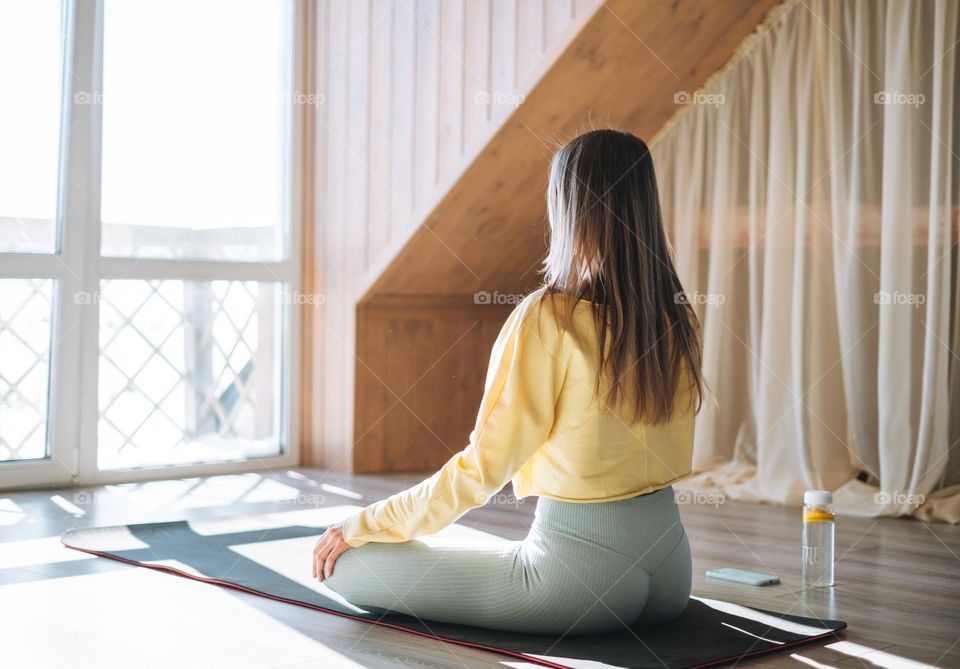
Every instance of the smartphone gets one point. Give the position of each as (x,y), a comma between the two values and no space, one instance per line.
(741,576)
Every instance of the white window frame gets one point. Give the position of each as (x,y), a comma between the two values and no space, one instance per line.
(73,409)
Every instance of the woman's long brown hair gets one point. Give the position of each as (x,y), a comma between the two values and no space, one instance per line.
(608,246)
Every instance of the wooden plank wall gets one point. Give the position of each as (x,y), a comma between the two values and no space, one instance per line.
(419,389)
(407,93)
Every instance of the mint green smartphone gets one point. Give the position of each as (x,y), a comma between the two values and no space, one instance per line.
(741,576)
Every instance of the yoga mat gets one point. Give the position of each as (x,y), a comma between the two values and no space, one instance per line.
(268,555)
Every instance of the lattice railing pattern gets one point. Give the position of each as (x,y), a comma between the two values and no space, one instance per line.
(184,375)
(26,308)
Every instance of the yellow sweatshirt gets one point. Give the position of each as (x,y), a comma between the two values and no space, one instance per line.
(540,425)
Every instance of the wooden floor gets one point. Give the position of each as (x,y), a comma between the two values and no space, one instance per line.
(898,583)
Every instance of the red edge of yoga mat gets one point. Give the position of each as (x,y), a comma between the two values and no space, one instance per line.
(492,649)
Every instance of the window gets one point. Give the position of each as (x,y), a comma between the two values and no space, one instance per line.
(25,325)
(31,66)
(194,137)
(147,237)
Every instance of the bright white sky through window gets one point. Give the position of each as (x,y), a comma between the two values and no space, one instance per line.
(195,95)
(30,55)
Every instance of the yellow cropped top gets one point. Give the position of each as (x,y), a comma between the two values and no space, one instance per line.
(540,425)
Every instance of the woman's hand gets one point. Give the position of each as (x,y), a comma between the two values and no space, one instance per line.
(330,547)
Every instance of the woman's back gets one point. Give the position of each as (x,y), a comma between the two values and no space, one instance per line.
(594,452)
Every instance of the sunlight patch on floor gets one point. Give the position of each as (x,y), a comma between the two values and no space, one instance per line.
(10,512)
(37,551)
(877,658)
(203,493)
(147,619)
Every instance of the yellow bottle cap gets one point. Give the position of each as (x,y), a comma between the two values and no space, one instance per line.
(817,515)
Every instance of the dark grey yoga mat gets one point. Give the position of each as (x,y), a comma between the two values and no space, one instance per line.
(265,555)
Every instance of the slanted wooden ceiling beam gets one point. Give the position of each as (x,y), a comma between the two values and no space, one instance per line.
(623,69)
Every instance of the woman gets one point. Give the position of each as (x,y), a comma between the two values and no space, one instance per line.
(599,433)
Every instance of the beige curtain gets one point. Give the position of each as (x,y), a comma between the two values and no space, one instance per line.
(811,193)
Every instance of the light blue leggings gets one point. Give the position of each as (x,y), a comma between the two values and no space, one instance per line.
(583,569)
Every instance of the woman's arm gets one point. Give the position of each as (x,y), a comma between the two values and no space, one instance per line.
(515,419)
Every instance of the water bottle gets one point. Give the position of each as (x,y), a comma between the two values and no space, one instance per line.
(817,539)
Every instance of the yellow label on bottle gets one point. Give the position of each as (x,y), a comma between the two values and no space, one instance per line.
(817,516)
